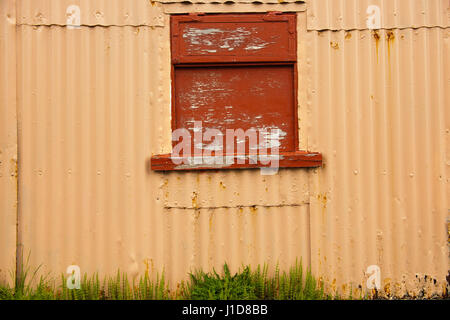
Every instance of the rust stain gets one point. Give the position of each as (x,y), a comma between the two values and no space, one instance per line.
(348,35)
(390,37)
(149,266)
(345,289)
(194,199)
(448,241)
(14,169)
(376,36)
(379,245)
(334,45)
(323,199)
(387,287)
(211,220)
(333,286)
(165,190)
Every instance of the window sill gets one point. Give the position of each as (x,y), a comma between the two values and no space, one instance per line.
(297,159)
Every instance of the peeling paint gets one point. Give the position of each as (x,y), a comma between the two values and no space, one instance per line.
(271,137)
(256,47)
(229,39)
(241,36)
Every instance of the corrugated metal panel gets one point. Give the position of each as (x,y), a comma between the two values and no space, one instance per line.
(137,12)
(228,2)
(207,238)
(186,7)
(379,112)
(352,14)
(225,189)
(8,140)
(92,13)
(91,105)
(95,105)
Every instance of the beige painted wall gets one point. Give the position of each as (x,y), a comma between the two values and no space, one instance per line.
(94,105)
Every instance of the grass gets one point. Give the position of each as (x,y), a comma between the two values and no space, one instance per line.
(254,285)
(246,284)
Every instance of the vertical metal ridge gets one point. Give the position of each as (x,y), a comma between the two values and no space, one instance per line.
(399,252)
(426,149)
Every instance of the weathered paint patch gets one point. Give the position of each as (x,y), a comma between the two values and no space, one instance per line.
(240,38)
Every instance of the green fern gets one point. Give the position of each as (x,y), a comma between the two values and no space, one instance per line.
(295,284)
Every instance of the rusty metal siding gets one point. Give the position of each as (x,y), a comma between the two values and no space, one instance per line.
(92,13)
(94,106)
(188,7)
(137,12)
(398,14)
(91,111)
(379,104)
(8,141)
(206,238)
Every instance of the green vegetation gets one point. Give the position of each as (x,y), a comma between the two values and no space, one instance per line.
(245,284)
(252,285)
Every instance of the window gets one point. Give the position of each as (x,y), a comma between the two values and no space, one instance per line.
(234,93)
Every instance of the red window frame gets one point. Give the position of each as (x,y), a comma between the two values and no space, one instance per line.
(282,55)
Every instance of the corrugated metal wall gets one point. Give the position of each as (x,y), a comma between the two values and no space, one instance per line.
(94,105)
(401,14)
(379,112)
(8,141)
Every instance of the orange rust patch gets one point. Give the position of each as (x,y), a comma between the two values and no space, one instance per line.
(334,45)
(14,170)
(323,199)
(194,199)
(376,36)
(390,37)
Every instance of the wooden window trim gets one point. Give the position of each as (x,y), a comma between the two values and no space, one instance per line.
(296,159)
